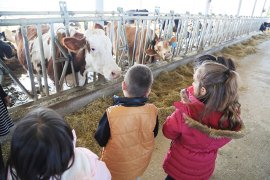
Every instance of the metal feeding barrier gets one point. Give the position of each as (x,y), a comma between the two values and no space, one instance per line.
(194,34)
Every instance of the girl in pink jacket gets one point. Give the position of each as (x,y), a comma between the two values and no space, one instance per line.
(43,147)
(203,123)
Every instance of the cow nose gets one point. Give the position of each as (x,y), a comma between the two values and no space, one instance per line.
(167,55)
(115,74)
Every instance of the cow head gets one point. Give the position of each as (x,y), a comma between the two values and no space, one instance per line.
(163,48)
(98,52)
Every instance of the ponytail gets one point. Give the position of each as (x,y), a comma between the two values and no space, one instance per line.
(221,86)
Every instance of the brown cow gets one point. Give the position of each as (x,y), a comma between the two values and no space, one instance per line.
(158,49)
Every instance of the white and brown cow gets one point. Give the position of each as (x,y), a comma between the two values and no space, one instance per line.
(157,49)
(91,52)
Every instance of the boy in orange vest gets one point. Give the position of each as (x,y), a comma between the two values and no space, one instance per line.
(127,129)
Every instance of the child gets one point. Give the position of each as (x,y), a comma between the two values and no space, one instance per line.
(5,124)
(127,129)
(5,120)
(43,147)
(209,58)
(199,127)
(228,62)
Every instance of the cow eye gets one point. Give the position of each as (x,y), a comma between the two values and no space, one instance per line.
(93,49)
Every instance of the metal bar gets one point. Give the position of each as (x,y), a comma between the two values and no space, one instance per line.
(53,50)
(28,60)
(30,13)
(141,44)
(42,58)
(135,42)
(13,77)
(63,8)
(65,54)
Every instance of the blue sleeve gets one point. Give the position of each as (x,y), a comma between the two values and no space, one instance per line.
(103,133)
(6,50)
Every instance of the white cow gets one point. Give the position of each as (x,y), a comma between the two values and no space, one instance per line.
(97,49)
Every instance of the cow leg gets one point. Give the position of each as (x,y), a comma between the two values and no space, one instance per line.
(40,85)
(82,79)
(101,78)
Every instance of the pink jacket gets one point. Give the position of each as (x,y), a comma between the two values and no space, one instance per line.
(194,146)
(86,166)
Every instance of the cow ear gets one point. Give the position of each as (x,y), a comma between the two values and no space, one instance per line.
(150,52)
(166,44)
(98,26)
(74,33)
(73,44)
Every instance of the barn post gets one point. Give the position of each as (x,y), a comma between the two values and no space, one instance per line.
(239,7)
(263,9)
(207,7)
(100,9)
(255,2)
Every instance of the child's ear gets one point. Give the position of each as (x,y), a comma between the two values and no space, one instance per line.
(148,92)
(203,91)
(124,86)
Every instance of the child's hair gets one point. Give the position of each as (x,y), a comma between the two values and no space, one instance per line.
(139,79)
(203,58)
(228,62)
(41,146)
(221,86)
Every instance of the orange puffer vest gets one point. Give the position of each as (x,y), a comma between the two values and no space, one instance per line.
(129,149)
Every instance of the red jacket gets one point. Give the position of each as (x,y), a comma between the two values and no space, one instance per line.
(194,145)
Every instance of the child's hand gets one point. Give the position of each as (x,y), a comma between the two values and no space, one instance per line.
(184,96)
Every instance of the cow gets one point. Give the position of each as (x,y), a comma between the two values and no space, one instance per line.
(6,50)
(8,35)
(90,52)
(264,26)
(156,49)
(7,44)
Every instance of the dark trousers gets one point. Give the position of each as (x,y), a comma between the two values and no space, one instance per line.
(169,178)
(2,167)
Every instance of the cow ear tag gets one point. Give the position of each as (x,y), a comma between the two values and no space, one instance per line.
(174,44)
